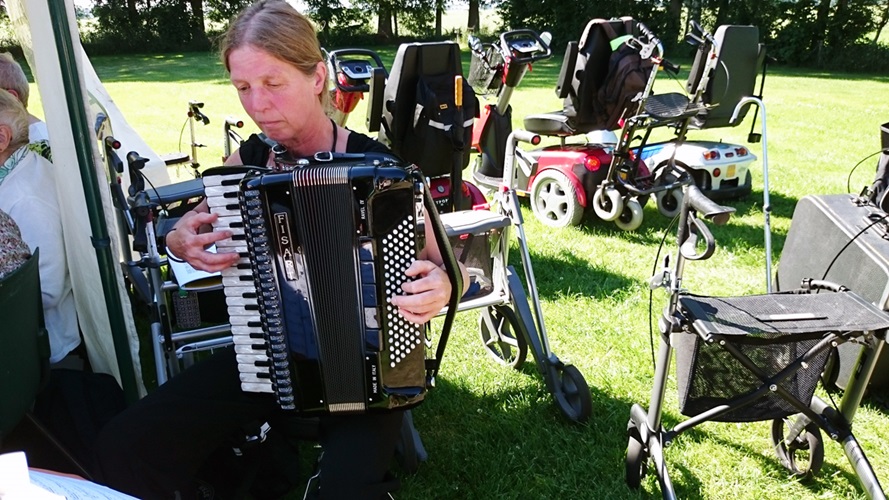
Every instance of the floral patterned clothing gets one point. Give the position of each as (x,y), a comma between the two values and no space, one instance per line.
(13,250)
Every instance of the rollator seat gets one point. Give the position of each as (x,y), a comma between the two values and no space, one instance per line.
(671,106)
(773,331)
(472,222)
(782,314)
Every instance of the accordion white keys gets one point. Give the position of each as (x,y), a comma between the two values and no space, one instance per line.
(323,248)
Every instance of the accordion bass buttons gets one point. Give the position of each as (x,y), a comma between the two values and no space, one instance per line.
(367,274)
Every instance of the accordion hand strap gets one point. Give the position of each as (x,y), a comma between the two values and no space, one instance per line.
(454,275)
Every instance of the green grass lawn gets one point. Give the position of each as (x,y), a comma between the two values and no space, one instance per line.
(493,432)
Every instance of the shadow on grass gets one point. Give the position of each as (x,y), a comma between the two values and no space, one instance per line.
(512,442)
(565,273)
(734,236)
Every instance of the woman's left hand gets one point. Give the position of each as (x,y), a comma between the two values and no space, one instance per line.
(427,295)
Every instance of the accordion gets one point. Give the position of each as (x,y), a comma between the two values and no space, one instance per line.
(323,247)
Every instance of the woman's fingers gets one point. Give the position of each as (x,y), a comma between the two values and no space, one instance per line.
(426,295)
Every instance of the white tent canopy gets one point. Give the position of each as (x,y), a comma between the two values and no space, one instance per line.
(68,85)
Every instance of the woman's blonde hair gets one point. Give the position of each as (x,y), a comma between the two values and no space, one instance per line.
(13,115)
(274,26)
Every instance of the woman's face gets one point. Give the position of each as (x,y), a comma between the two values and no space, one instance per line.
(276,95)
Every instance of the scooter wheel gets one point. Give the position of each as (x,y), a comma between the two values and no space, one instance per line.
(630,217)
(553,200)
(607,203)
(803,455)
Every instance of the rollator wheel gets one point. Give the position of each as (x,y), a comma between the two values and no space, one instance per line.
(573,394)
(607,203)
(630,217)
(499,327)
(669,202)
(554,201)
(637,457)
(804,455)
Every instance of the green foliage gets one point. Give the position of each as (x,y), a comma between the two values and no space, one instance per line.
(859,56)
(221,11)
(565,19)
(166,26)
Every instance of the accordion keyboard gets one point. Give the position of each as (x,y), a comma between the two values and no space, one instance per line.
(241,294)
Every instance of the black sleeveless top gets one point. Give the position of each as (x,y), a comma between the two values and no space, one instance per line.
(255,152)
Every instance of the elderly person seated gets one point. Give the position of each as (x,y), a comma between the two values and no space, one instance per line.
(13,79)
(28,195)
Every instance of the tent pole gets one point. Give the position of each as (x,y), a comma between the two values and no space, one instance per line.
(101,241)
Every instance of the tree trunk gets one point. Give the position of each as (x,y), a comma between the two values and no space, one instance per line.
(882,24)
(439,8)
(132,12)
(835,35)
(694,11)
(821,17)
(199,33)
(721,13)
(674,23)
(473,23)
(384,21)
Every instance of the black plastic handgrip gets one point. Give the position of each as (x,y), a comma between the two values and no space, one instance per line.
(669,67)
(706,207)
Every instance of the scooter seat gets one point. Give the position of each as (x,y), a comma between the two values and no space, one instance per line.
(555,123)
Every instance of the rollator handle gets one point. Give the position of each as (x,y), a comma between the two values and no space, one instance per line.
(525,136)
(706,207)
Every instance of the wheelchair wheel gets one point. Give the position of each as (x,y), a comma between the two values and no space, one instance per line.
(637,457)
(804,455)
(499,329)
(553,200)
(573,394)
(630,217)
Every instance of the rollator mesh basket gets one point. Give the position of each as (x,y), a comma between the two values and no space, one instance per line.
(773,331)
(480,234)
(486,72)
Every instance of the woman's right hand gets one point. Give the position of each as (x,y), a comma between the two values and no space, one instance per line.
(187,241)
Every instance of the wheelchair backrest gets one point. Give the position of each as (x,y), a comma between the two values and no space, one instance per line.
(421,119)
(739,58)
(585,68)
(24,345)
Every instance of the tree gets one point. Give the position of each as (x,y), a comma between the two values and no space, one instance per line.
(884,19)
(473,23)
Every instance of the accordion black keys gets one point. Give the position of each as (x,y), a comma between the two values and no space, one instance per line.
(323,247)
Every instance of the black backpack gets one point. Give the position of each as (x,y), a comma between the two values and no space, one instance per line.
(440,128)
(626,80)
